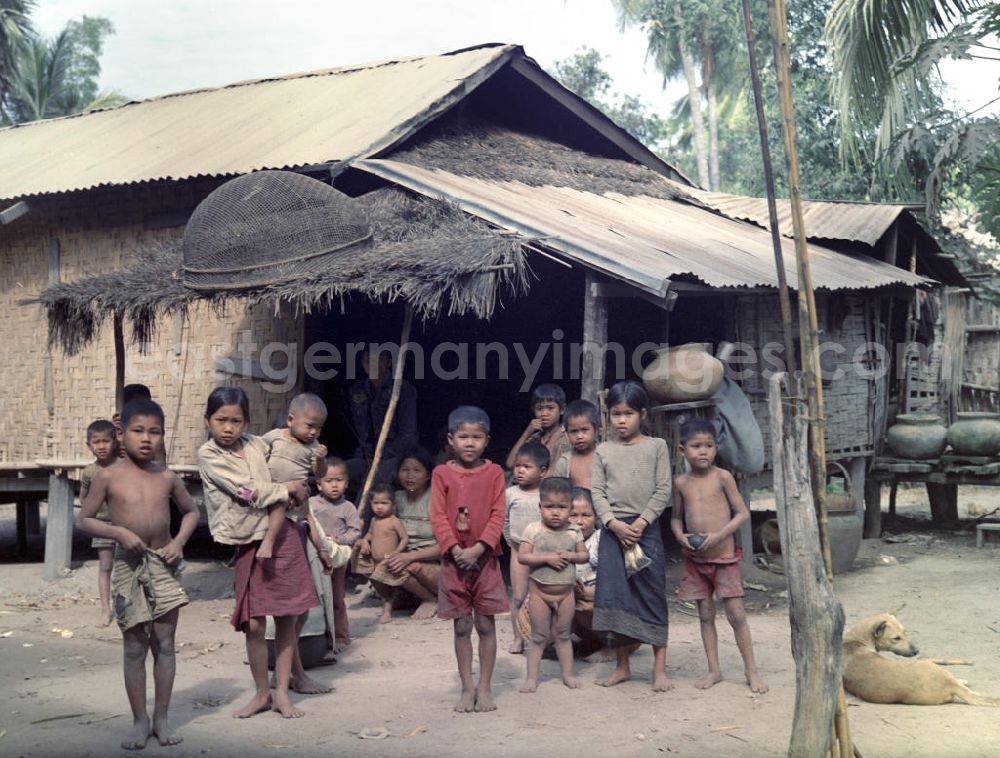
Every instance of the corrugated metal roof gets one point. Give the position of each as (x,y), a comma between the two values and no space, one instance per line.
(856,222)
(640,239)
(297,120)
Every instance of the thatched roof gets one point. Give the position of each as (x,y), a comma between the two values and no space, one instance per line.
(473,147)
(425,252)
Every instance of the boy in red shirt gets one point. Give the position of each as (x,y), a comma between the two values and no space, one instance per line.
(467,511)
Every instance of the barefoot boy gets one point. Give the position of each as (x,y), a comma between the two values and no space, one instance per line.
(547,404)
(385,536)
(340,521)
(708,509)
(550,548)
(581,421)
(102,443)
(530,465)
(467,510)
(147,593)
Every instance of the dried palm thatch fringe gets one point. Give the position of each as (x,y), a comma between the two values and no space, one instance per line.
(425,252)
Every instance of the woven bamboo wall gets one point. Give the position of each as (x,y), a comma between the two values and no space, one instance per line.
(179,366)
(981,375)
(849,400)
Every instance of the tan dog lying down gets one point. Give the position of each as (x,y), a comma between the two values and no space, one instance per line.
(882,680)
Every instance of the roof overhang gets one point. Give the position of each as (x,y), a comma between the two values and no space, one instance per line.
(641,240)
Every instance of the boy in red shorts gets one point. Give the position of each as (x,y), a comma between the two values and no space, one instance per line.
(708,509)
(467,511)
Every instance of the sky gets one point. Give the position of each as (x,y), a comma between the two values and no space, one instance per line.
(175,45)
(163,46)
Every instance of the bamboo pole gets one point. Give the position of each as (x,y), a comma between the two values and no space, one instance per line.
(809,340)
(390,411)
(772,207)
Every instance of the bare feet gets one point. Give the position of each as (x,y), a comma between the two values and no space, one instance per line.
(105,617)
(140,734)
(265,550)
(163,734)
(306,685)
(756,683)
(530,685)
(484,700)
(572,682)
(617,677)
(257,705)
(710,679)
(386,617)
(601,656)
(468,702)
(341,644)
(661,683)
(517,647)
(426,610)
(330,656)
(284,706)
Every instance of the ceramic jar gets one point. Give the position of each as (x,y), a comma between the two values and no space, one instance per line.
(917,436)
(975,433)
(682,374)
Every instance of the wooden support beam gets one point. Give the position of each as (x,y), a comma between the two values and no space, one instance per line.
(14,212)
(873,509)
(595,337)
(745,536)
(59,527)
(891,244)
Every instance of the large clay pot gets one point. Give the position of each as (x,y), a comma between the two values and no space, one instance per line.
(844,520)
(682,374)
(917,436)
(975,433)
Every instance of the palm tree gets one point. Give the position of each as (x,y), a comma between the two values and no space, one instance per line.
(15,28)
(58,76)
(873,89)
(684,36)
(667,44)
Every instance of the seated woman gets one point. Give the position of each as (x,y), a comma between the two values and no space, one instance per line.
(415,569)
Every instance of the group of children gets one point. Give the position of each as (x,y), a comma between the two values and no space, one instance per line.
(610,591)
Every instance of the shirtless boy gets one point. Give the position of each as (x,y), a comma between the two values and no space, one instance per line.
(708,509)
(102,442)
(385,536)
(146,592)
(582,420)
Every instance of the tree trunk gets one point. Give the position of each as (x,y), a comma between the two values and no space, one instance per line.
(694,101)
(707,69)
(817,619)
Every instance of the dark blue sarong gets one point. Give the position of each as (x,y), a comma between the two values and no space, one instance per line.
(631,609)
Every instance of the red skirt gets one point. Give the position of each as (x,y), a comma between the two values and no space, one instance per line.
(278,586)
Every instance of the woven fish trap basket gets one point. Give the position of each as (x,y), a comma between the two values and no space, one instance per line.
(269,227)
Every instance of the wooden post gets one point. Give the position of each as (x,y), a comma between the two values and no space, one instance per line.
(21,525)
(390,411)
(817,618)
(59,527)
(814,699)
(745,536)
(119,362)
(595,337)
(873,509)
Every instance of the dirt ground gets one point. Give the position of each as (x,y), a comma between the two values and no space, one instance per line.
(61,691)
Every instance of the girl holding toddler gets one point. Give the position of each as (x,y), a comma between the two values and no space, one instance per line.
(238,493)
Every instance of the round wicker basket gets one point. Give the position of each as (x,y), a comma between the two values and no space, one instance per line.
(269,227)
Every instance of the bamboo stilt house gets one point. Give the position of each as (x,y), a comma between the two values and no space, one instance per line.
(506,210)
